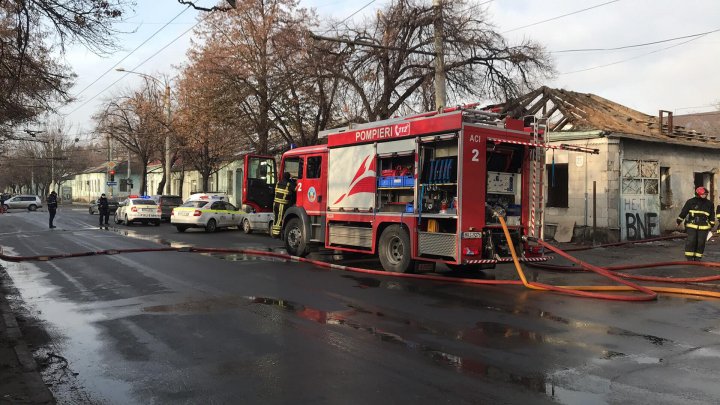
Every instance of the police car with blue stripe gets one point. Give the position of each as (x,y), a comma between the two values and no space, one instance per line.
(138,209)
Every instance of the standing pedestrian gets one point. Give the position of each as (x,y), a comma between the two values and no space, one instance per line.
(698,216)
(52,204)
(103,210)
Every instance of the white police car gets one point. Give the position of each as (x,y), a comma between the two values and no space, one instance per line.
(206,210)
(138,209)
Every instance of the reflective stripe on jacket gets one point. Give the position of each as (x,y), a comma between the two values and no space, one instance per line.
(698,213)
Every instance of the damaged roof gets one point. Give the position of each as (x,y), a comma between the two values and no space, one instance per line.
(570,111)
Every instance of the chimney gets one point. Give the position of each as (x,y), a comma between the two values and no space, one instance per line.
(669,122)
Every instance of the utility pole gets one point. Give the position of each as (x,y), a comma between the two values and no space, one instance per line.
(167,139)
(52,163)
(128,182)
(440,97)
(168,118)
(110,159)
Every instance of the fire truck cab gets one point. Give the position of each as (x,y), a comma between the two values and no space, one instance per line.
(421,189)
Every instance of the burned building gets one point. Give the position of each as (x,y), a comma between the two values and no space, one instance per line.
(645,168)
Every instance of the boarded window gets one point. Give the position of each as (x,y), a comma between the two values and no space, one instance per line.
(557,185)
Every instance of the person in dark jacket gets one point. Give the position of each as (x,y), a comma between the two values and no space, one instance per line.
(699,219)
(284,197)
(52,204)
(103,210)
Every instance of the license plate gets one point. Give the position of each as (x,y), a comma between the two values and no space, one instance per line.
(148,209)
(184,214)
(472,235)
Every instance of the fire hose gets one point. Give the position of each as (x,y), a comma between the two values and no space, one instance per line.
(647,293)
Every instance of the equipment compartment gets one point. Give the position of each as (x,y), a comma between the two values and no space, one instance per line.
(396,174)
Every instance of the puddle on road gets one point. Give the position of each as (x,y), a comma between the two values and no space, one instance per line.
(243,257)
(567,396)
(533,381)
(151,238)
(657,341)
(387,283)
(231,257)
(364,282)
(464,365)
(73,357)
(706,352)
(199,306)
(484,330)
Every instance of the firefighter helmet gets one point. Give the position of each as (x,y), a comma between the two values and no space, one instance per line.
(701,191)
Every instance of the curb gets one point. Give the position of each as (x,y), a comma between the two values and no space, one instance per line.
(40,393)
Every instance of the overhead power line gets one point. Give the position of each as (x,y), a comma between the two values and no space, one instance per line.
(561,16)
(634,57)
(136,67)
(369,44)
(350,16)
(638,45)
(133,51)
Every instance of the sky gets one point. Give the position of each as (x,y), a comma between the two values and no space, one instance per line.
(680,75)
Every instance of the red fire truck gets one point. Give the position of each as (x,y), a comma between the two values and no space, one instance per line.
(417,190)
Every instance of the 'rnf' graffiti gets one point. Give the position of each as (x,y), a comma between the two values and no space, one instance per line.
(637,229)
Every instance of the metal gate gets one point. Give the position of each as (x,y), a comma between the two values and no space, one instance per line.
(639,199)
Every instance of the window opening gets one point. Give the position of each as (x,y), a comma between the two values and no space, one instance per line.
(558,188)
(314,164)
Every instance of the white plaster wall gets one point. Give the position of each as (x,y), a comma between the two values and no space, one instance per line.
(583,170)
(604,168)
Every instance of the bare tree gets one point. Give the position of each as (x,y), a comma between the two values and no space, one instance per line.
(135,122)
(66,157)
(205,141)
(18,171)
(31,78)
(310,98)
(267,82)
(390,59)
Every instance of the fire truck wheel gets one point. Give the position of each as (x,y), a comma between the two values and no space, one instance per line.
(394,250)
(295,238)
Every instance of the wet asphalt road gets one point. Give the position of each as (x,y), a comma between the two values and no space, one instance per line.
(190,328)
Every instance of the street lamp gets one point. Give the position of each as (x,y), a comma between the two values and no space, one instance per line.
(168,117)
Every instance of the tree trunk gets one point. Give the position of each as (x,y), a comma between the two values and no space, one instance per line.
(143,184)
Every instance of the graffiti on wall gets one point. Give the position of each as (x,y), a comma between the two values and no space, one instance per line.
(640,207)
(641,219)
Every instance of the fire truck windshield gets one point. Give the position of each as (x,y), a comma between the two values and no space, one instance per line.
(262,169)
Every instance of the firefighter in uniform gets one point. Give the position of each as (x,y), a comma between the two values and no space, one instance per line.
(698,216)
(284,197)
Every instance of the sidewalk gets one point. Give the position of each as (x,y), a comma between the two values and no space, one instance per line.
(20,379)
